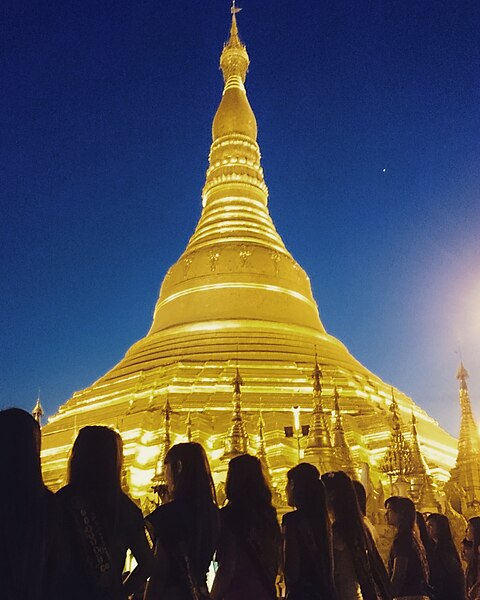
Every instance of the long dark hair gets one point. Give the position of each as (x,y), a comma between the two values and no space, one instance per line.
(344,505)
(251,516)
(309,497)
(444,542)
(193,484)
(96,459)
(349,523)
(424,537)
(407,527)
(27,525)
(94,470)
(20,452)
(472,567)
(404,508)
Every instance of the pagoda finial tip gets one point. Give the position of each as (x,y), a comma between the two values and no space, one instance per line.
(462,372)
(234,39)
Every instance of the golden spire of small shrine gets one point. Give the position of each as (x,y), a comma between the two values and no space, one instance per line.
(237,439)
(466,474)
(319,444)
(319,434)
(469,439)
(261,448)
(422,490)
(159,477)
(37,411)
(342,449)
(188,423)
(397,462)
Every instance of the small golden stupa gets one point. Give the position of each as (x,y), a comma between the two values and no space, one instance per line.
(237,306)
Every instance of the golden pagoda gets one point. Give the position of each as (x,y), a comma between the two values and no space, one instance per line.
(463,489)
(343,455)
(37,411)
(236,296)
(397,463)
(422,491)
(237,439)
(319,449)
(159,477)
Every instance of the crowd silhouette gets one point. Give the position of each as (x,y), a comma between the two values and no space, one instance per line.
(72,545)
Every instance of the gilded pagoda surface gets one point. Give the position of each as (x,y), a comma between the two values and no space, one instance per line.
(237,306)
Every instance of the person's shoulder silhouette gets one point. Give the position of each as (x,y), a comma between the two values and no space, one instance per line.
(28,518)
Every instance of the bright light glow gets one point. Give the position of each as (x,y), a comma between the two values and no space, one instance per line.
(141,478)
(146,454)
(296,418)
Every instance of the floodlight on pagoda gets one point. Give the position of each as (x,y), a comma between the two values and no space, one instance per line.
(298,431)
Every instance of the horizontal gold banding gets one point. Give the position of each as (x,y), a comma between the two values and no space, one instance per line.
(234,81)
(242,286)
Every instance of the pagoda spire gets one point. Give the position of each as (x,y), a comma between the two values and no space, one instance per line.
(468,441)
(236,265)
(37,411)
(422,490)
(166,444)
(342,449)
(237,439)
(397,462)
(188,423)
(319,444)
(261,449)
(466,473)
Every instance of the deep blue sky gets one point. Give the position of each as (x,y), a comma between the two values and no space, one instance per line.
(369,122)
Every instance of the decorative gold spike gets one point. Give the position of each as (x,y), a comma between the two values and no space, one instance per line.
(397,462)
(188,422)
(237,439)
(159,477)
(422,490)
(464,484)
(37,411)
(342,449)
(319,448)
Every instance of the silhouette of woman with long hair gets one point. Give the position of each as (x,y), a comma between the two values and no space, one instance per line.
(358,569)
(28,523)
(185,530)
(472,544)
(249,545)
(308,560)
(407,562)
(446,574)
(101,522)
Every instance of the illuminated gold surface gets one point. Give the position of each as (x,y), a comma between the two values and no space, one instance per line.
(236,296)
(464,487)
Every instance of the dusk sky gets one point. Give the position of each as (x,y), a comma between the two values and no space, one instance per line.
(369,121)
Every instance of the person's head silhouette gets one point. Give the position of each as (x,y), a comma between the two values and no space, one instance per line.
(96,461)
(20,453)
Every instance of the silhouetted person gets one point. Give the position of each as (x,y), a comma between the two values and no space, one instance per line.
(446,574)
(361,494)
(28,519)
(407,562)
(466,552)
(358,569)
(308,559)
(185,530)
(248,550)
(424,536)
(101,522)
(472,550)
